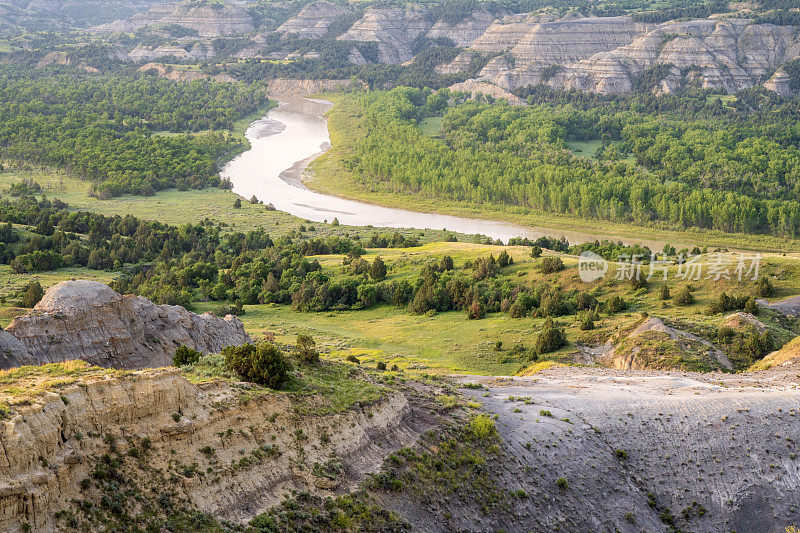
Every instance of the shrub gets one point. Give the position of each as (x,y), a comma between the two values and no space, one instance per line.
(503,260)
(727,303)
(663,292)
(536,252)
(380,366)
(32,295)
(262,363)
(684,296)
(550,339)
(764,288)
(353,359)
(482,427)
(185,356)
(378,269)
(305,349)
(237,204)
(615,304)
(476,310)
(562,483)
(549,265)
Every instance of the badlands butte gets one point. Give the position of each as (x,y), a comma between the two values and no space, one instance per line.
(500,51)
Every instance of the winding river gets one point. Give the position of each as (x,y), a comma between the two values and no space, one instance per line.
(292,135)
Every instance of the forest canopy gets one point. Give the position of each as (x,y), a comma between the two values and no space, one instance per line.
(724,170)
(104,128)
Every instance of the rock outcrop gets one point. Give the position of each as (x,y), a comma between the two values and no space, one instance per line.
(51,442)
(87,320)
(394,30)
(207,20)
(302,87)
(606,54)
(313,20)
(652,345)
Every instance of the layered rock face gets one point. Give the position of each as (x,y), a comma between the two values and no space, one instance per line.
(208,21)
(51,443)
(313,20)
(605,54)
(393,29)
(87,320)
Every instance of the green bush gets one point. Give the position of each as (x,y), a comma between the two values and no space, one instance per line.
(482,427)
(764,288)
(684,296)
(550,339)
(551,264)
(32,295)
(258,363)
(305,349)
(185,356)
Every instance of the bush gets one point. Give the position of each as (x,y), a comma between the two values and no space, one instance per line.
(550,339)
(380,366)
(663,292)
(378,270)
(185,356)
(305,349)
(684,297)
(353,359)
(32,295)
(503,260)
(482,427)
(615,304)
(476,310)
(549,265)
(262,363)
(727,303)
(536,252)
(562,483)
(764,288)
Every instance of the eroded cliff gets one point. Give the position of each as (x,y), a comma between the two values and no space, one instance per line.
(87,320)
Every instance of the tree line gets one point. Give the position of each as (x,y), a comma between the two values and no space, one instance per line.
(736,174)
(104,128)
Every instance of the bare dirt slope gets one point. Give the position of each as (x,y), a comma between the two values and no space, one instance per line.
(640,451)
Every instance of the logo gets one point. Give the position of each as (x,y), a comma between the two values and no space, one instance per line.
(591,267)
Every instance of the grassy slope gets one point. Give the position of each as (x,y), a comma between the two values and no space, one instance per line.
(449,342)
(331,177)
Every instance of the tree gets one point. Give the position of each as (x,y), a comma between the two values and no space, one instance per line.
(550,339)
(305,349)
(476,310)
(185,356)
(504,259)
(32,295)
(536,251)
(378,269)
(663,292)
(764,287)
(237,204)
(684,296)
(263,363)
(551,264)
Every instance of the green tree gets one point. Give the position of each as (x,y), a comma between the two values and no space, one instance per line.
(32,295)
(261,363)
(378,269)
(306,349)
(185,356)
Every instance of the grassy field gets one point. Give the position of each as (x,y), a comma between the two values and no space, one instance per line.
(431,126)
(181,207)
(450,342)
(585,148)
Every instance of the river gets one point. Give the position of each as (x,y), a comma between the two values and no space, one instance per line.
(292,135)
